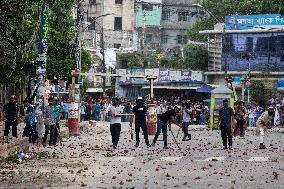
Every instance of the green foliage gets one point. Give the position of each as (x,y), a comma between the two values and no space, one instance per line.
(257,88)
(132,60)
(193,32)
(196,57)
(84,86)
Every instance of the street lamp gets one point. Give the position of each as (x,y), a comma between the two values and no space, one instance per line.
(223,35)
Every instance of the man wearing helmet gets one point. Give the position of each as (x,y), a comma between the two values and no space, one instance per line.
(11,113)
(262,124)
(163,119)
(140,111)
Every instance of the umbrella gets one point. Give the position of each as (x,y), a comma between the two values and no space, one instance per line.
(204,89)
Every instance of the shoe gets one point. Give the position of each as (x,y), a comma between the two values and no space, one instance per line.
(230,148)
(262,146)
(148,145)
(184,139)
(114,147)
(153,144)
(189,136)
(165,147)
(224,148)
(136,145)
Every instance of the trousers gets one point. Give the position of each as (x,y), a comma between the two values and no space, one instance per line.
(141,124)
(49,129)
(115,133)
(8,125)
(226,134)
(161,126)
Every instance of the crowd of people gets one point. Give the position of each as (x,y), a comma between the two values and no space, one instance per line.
(181,112)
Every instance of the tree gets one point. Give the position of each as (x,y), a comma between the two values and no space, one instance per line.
(195,57)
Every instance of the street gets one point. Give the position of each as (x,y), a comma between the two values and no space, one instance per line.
(88,161)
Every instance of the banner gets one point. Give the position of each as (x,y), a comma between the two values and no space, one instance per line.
(185,75)
(164,75)
(245,22)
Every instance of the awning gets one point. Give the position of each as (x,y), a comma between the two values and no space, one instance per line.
(204,89)
(94,90)
(172,87)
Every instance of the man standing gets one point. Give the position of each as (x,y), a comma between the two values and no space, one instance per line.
(115,112)
(30,121)
(50,122)
(240,115)
(262,124)
(140,111)
(225,123)
(186,121)
(163,119)
(57,115)
(11,113)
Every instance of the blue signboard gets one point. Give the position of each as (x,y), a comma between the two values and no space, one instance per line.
(245,22)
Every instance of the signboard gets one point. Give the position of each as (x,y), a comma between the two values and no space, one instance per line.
(164,75)
(245,22)
(185,75)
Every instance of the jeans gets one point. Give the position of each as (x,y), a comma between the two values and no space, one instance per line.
(226,134)
(161,126)
(115,133)
(32,133)
(143,126)
(240,125)
(185,128)
(251,122)
(49,129)
(8,125)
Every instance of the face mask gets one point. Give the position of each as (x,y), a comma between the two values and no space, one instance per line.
(226,105)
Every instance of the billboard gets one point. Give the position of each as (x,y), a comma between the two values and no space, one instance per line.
(257,51)
(164,75)
(245,22)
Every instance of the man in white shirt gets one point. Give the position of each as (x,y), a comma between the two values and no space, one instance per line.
(186,121)
(115,111)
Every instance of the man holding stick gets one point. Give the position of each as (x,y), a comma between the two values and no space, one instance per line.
(140,111)
(163,119)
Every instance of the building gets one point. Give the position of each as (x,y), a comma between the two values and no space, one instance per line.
(177,17)
(250,46)
(147,34)
(116,27)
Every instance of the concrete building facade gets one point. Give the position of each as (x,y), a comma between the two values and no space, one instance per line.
(117,27)
(177,17)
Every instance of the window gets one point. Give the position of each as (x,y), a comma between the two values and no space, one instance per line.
(165,39)
(92,2)
(92,25)
(183,16)
(147,7)
(148,38)
(181,39)
(117,23)
(166,14)
(118,1)
(117,45)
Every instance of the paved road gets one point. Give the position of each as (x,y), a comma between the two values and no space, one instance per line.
(87,161)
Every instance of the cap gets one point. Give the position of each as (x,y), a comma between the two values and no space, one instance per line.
(139,98)
(178,107)
(225,100)
(271,108)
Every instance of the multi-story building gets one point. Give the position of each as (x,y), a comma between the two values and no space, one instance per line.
(116,27)
(147,34)
(177,17)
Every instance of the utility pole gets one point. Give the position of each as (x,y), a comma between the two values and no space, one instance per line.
(41,59)
(74,108)
(143,32)
(103,61)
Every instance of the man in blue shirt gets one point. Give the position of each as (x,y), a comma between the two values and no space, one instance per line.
(225,123)
(30,121)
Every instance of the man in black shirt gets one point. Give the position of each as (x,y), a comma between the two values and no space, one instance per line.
(163,119)
(140,111)
(11,113)
(225,122)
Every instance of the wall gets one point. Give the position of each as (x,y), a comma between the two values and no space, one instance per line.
(152,17)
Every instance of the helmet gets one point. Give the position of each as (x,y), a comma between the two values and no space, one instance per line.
(12,97)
